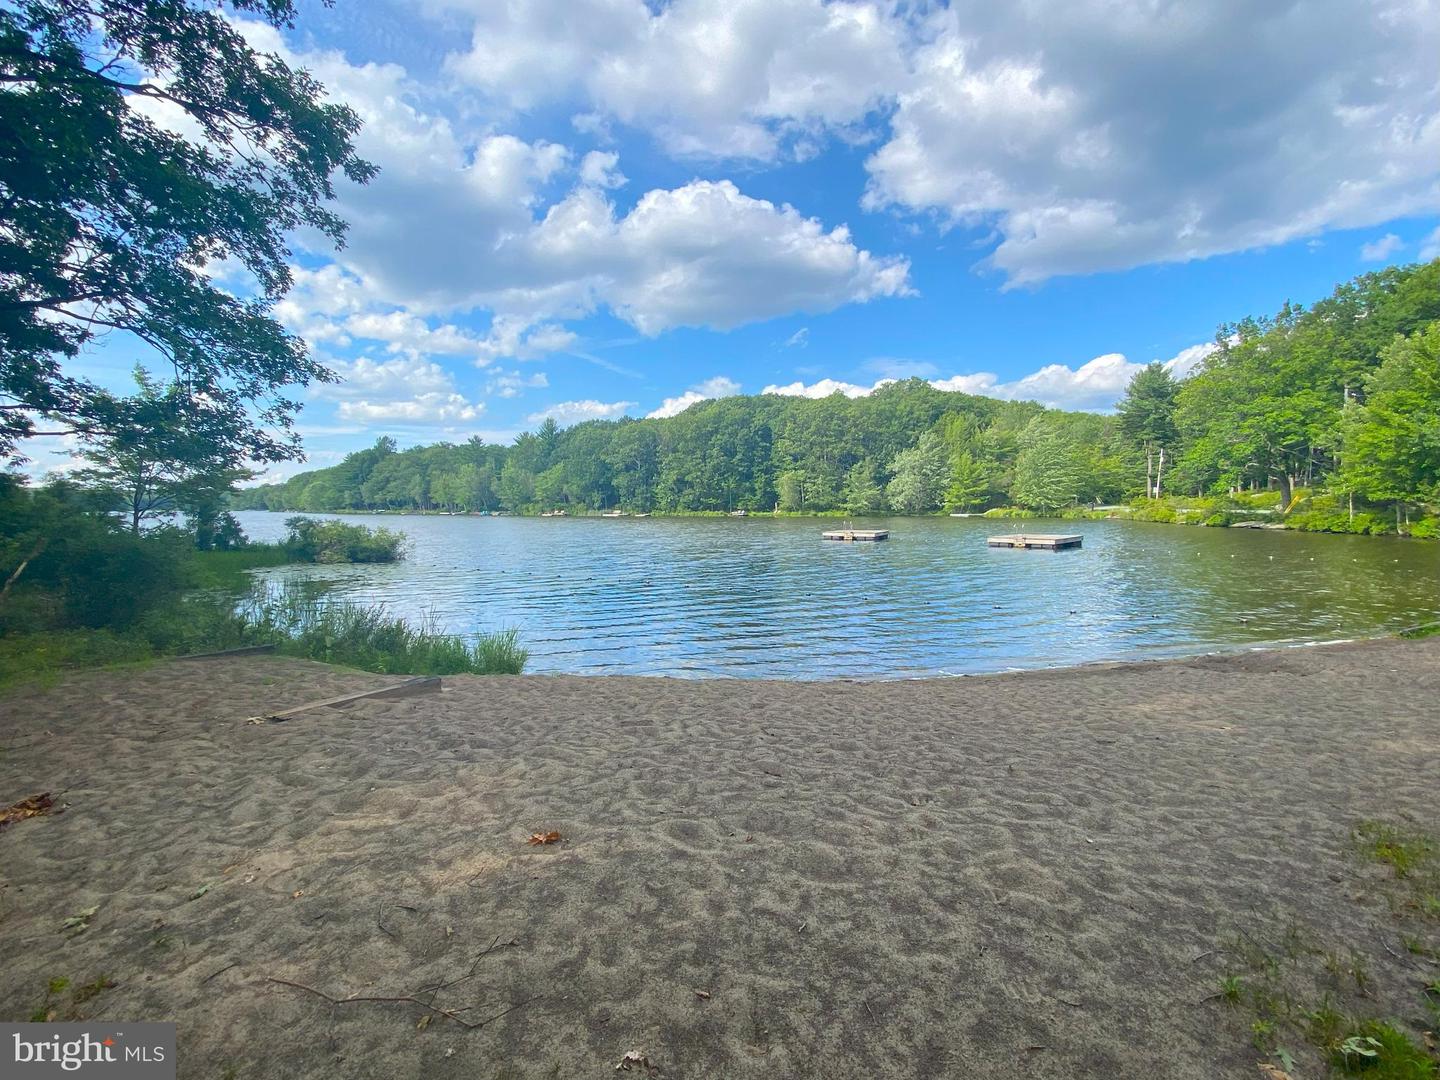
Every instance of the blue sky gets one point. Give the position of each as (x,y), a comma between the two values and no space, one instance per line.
(603,207)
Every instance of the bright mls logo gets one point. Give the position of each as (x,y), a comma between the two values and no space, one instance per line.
(120,1052)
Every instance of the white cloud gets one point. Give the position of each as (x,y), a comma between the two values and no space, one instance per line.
(401,390)
(717,387)
(566,413)
(598,168)
(513,384)
(799,339)
(1381,249)
(1095,136)
(1430,246)
(1095,386)
(424,409)
(741,78)
(824,388)
(461,221)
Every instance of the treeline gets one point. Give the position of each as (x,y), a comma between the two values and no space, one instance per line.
(1342,399)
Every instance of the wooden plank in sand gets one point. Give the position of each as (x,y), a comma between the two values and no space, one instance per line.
(850,535)
(246,650)
(408,688)
(1048,541)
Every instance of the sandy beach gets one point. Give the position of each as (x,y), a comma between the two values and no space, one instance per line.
(1033,875)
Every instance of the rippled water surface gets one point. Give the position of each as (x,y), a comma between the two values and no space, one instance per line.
(763,597)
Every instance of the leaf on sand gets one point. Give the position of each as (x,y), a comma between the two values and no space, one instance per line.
(636,1060)
(544,838)
(80,921)
(201,891)
(703,995)
(34,806)
(1273,1072)
(423,1022)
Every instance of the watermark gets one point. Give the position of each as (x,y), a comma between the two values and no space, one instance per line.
(95,1050)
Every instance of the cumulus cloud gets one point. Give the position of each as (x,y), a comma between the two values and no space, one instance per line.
(730,78)
(824,388)
(401,390)
(718,387)
(459,221)
(1095,386)
(422,409)
(509,384)
(1430,246)
(566,413)
(1381,249)
(1092,136)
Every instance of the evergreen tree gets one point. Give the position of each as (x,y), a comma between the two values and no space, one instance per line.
(969,482)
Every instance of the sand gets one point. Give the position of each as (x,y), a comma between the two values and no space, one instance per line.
(1012,876)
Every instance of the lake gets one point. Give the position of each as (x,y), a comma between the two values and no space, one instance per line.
(761,597)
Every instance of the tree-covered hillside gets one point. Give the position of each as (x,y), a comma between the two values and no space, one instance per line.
(1343,397)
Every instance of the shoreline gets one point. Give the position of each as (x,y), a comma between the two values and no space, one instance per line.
(1036,874)
(1261,522)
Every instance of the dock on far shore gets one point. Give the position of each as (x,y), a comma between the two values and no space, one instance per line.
(1048,541)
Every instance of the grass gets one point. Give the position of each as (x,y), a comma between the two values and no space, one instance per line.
(1406,852)
(368,637)
(297,620)
(1298,993)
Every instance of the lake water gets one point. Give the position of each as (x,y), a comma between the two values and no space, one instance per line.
(757,597)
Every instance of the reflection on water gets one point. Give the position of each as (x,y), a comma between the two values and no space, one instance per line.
(762,597)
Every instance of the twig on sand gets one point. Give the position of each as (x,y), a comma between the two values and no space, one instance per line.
(411,999)
(380,922)
(1197,959)
(222,971)
(474,966)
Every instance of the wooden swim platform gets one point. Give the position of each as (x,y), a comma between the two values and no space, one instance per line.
(1048,541)
(852,535)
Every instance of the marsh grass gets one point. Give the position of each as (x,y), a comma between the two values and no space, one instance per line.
(302,622)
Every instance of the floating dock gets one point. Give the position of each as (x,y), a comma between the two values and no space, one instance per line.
(852,535)
(1048,541)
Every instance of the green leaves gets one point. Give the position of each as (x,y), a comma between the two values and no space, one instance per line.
(108,219)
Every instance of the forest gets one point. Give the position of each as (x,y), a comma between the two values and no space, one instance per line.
(1331,411)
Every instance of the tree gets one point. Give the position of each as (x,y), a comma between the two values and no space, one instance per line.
(1392,441)
(108,220)
(969,482)
(920,476)
(1147,419)
(1045,471)
(159,457)
(863,493)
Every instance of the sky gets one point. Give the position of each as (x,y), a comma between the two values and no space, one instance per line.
(597,208)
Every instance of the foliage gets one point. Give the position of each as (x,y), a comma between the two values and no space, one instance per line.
(1147,420)
(1046,476)
(109,220)
(159,457)
(302,623)
(311,541)
(921,474)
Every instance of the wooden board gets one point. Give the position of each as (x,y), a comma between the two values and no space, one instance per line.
(850,535)
(247,650)
(425,685)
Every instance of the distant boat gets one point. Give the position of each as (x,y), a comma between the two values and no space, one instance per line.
(613,513)
(739,513)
